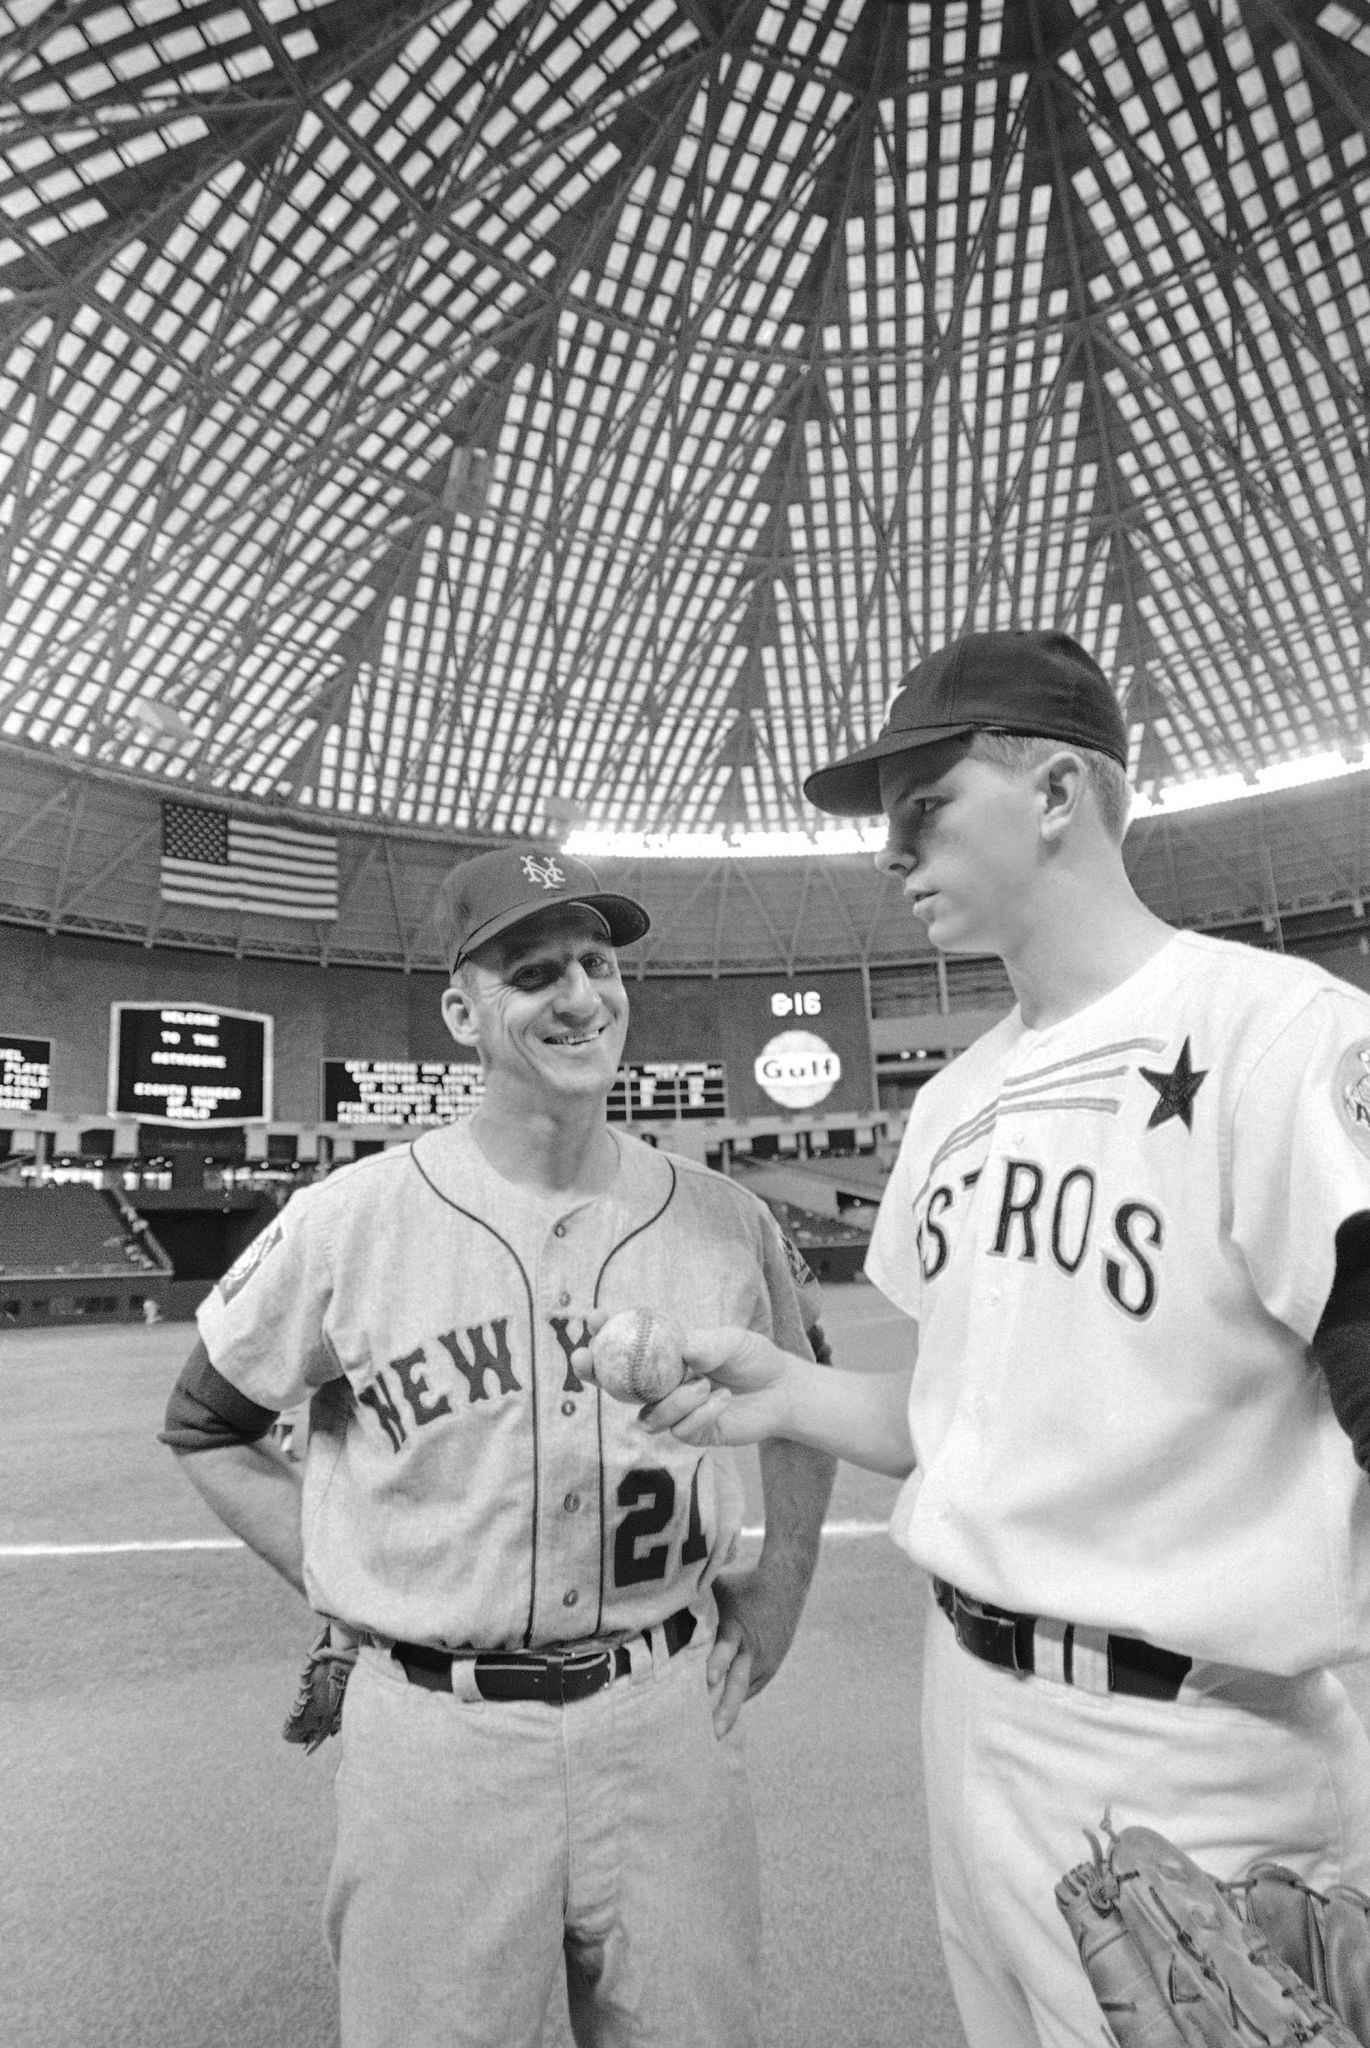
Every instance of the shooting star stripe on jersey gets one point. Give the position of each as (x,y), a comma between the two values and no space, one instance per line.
(981,1126)
(1104,1105)
(981,1121)
(1085,1059)
(1017,1094)
(751,1530)
(957,1141)
(1072,1079)
(1108,1105)
(960,1134)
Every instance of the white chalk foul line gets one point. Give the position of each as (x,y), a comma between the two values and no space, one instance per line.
(18,1550)
(834,1529)
(115,1549)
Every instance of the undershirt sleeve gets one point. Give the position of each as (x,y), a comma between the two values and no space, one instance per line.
(207,1413)
(822,1349)
(1341,1342)
(1299,1166)
(263,1323)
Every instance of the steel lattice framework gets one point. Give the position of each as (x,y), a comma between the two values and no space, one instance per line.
(421,412)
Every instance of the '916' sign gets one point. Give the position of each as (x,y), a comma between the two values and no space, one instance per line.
(801,1002)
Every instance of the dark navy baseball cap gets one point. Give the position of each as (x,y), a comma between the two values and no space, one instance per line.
(496,891)
(1039,684)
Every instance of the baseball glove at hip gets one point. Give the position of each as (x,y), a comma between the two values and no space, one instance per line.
(317,1710)
(1178,1960)
(1325,1936)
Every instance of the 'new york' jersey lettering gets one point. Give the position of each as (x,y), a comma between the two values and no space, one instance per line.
(486,1353)
(463,1485)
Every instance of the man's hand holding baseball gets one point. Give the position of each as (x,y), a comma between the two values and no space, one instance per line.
(735,1391)
(742,1389)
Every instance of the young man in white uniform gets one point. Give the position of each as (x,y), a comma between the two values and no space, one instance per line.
(1130,1228)
(541,1774)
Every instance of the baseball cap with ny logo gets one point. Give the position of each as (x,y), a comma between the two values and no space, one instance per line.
(491,894)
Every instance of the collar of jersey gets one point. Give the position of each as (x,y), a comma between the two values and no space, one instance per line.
(457,1167)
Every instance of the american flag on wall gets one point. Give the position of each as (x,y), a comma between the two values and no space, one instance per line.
(210,857)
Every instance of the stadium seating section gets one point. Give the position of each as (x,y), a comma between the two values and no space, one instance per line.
(76,1254)
(833,1245)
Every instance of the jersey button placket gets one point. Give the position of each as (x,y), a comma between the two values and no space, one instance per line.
(963,1447)
(570,1545)
(559,1231)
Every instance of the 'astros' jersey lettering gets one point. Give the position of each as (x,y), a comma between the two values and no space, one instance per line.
(1117,1236)
(462,1485)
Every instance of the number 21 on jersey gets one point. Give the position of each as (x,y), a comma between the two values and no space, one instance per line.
(647,1495)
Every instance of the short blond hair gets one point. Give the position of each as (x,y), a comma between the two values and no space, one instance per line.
(1017,752)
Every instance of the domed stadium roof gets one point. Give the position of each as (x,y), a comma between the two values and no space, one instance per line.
(423,412)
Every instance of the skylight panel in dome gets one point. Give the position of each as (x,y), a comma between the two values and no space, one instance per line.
(777,354)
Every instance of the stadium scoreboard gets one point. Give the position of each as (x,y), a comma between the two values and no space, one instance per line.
(791,1045)
(179,1063)
(25,1073)
(400,1091)
(668,1091)
(403,1092)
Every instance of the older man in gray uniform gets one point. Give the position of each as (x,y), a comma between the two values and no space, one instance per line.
(540,1762)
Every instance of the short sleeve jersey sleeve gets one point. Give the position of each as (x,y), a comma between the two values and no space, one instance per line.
(795,1297)
(893,1261)
(263,1322)
(1300,1153)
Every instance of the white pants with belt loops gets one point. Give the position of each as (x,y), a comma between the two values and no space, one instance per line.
(1018,1769)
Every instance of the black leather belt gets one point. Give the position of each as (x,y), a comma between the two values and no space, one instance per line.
(998,1636)
(556,1677)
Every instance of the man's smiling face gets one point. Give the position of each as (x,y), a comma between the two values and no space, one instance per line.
(544,1005)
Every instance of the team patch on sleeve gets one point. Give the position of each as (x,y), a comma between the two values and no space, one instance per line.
(799,1265)
(243,1267)
(1351,1094)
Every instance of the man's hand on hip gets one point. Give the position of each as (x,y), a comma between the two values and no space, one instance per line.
(758,1613)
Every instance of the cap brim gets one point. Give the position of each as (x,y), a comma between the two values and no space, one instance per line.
(850,788)
(624,920)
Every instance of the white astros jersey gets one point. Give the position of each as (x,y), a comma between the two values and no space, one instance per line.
(1117,1236)
(462,1486)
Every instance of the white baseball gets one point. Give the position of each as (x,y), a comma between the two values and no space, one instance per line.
(637,1355)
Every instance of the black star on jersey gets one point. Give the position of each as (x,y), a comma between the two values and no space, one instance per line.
(1175,1091)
